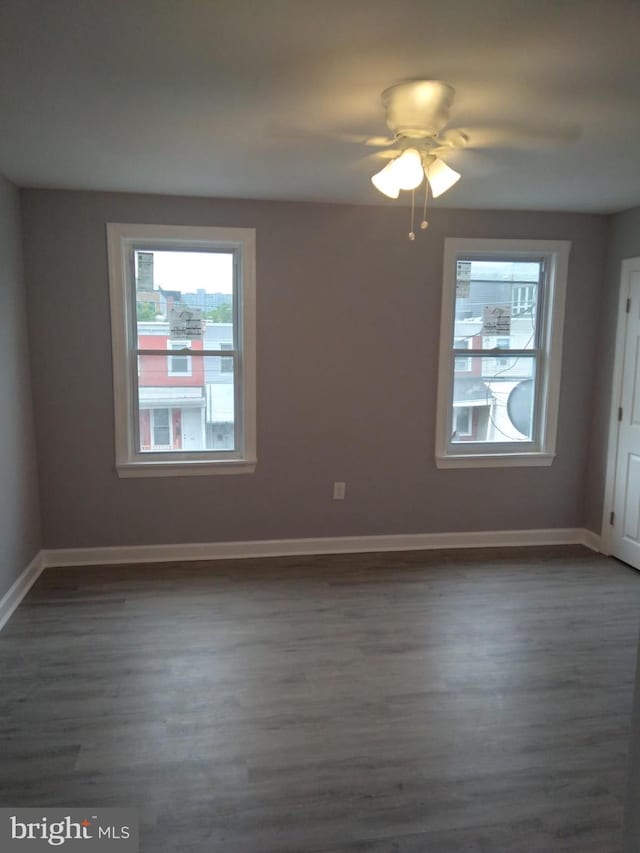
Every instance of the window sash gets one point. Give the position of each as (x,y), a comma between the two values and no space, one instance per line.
(545,352)
(542,285)
(238,420)
(534,353)
(491,447)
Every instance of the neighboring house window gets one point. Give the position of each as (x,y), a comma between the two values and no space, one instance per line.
(463,421)
(522,299)
(500,410)
(226,364)
(463,343)
(161,427)
(179,365)
(502,343)
(178,288)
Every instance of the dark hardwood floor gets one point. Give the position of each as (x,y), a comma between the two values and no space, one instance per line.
(416,702)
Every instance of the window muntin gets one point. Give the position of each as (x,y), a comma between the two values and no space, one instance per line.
(503,297)
(188,290)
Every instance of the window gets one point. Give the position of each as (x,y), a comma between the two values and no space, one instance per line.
(463,343)
(506,296)
(161,427)
(463,421)
(226,364)
(502,343)
(522,299)
(189,290)
(178,365)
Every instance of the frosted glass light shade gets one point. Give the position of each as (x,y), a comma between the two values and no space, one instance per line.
(385,181)
(407,169)
(441,177)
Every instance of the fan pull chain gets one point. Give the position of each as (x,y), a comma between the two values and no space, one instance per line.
(424,224)
(412,235)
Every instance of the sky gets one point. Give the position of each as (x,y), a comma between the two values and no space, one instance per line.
(189,271)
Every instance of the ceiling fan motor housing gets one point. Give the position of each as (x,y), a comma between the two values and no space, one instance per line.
(418,109)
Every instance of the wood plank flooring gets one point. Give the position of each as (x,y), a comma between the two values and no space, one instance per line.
(420,702)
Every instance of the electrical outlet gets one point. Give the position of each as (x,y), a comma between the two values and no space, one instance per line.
(339,490)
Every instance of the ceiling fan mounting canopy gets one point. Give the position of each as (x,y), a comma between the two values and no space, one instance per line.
(418,109)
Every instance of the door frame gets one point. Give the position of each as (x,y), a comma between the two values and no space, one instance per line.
(628,266)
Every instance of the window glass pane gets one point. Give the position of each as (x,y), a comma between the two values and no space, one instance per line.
(220,404)
(496,304)
(183,295)
(183,413)
(493,399)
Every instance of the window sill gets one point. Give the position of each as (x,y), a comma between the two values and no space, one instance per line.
(495,460)
(185,469)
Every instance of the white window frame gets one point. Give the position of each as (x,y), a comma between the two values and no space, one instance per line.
(542,450)
(123,240)
(171,346)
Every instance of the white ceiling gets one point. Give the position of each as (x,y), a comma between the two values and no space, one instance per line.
(257,98)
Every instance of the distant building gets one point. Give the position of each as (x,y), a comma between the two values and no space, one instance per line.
(185,403)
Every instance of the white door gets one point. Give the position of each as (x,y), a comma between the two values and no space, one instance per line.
(192,438)
(625,521)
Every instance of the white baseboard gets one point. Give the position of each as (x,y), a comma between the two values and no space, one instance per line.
(592,540)
(20,587)
(334,545)
(284,548)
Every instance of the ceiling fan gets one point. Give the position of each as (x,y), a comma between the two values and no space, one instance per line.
(417,113)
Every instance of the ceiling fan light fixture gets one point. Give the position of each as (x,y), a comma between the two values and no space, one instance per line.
(441,177)
(407,169)
(385,181)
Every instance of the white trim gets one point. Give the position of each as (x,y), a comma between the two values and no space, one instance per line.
(495,460)
(121,237)
(57,557)
(187,468)
(557,254)
(629,266)
(20,587)
(330,545)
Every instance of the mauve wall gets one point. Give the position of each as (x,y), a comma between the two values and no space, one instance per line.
(348,327)
(19,513)
(623,242)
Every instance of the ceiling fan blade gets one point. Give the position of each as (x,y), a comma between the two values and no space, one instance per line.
(380,141)
(376,157)
(361,139)
(472,163)
(510,136)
